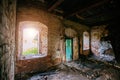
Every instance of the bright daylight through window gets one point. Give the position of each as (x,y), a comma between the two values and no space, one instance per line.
(30,41)
(33,40)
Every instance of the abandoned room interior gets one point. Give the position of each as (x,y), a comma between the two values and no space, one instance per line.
(59,40)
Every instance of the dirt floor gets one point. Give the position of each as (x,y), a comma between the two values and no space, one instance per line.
(76,70)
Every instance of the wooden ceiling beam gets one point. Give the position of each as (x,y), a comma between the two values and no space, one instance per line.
(56,4)
(80,17)
(87,8)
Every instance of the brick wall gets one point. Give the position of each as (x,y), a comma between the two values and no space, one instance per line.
(31,11)
(7,38)
(26,12)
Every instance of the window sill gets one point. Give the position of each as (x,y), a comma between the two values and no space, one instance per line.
(32,56)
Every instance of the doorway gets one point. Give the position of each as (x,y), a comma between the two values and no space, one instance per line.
(69,49)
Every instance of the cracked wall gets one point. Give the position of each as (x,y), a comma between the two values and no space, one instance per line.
(7,38)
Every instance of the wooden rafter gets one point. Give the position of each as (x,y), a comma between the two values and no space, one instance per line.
(80,17)
(88,7)
(57,3)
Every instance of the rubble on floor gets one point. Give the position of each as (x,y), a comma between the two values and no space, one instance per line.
(78,70)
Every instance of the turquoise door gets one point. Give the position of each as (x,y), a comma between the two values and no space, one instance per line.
(68,49)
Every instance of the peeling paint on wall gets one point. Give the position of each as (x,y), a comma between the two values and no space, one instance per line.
(100,44)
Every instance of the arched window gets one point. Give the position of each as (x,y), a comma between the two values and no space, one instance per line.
(33,40)
(86,45)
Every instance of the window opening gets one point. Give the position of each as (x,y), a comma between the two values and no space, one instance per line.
(30,41)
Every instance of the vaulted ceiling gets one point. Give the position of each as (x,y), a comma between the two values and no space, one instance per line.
(88,12)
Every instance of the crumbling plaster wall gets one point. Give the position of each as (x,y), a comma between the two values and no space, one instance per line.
(96,33)
(7,38)
(100,43)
